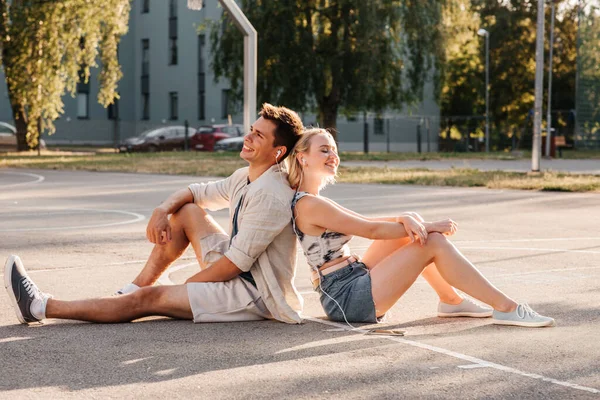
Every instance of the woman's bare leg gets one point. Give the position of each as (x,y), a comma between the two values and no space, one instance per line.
(188,225)
(404,265)
(168,301)
(380,249)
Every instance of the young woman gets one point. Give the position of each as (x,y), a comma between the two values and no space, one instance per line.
(363,289)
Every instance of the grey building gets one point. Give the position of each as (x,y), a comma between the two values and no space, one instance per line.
(167,79)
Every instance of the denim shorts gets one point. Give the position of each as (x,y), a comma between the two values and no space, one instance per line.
(351,288)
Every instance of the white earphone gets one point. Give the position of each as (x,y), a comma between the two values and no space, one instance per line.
(278,154)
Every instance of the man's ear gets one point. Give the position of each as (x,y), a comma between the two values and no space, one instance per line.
(283,150)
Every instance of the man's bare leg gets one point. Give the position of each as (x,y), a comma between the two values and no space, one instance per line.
(188,225)
(168,301)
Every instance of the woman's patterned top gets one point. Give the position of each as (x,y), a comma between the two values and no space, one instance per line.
(320,249)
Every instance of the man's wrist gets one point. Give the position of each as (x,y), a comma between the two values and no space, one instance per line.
(161,210)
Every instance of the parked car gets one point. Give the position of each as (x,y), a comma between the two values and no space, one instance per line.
(230,144)
(206,136)
(165,138)
(8,137)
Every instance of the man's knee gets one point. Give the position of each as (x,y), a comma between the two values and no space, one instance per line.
(146,297)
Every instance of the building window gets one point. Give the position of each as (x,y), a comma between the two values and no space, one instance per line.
(83,96)
(145,6)
(145,78)
(378,126)
(172,8)
(145,57)
(173,105)
(201,78)
(225,103)
(146,106)
(173,51)
(83,105)
(113,110)
(173,32)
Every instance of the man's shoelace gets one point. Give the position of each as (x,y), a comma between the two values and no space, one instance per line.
(30,287)
(523,311)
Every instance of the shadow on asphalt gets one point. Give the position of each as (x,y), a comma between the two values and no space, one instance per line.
(82,355)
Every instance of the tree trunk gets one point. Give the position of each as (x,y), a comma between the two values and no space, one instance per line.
(328,113)
(21,125)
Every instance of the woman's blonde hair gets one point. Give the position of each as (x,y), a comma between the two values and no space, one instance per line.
(295,168)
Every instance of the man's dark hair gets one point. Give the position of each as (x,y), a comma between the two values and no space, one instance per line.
(288,126)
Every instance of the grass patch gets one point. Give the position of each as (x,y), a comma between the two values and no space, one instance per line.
(380,156)
(223,164)
(192,163)
(546,181)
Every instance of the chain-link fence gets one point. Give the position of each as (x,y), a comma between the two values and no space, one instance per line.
(588,78)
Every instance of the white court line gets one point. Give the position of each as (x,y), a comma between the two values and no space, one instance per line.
(39,178)
(534,249)
(176,267)
(526,240)
(473,360)
(137,218)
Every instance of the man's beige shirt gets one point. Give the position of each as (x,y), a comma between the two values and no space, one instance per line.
(265,243)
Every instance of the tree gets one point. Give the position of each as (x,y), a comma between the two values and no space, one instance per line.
(512,28)
(332,55)
(48,47)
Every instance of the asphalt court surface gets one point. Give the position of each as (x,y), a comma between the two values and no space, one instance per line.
(82,234)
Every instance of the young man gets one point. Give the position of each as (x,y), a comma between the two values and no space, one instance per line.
(245,276)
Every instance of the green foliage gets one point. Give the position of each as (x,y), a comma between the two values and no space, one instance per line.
(512,28)
(45,45)
(348,55)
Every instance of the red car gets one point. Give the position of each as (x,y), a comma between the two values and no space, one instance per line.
(206,136)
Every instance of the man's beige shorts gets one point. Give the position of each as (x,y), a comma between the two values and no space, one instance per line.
(234,300)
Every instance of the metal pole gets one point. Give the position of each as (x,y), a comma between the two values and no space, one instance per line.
(387,123)
(186,143)
(549,115)
(578,68)
(365,133)
(428,126)
(487,92)
(250,55)
(539,88)
(419,137)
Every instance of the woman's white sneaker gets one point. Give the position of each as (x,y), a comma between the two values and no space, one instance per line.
(466,308)
(522,316)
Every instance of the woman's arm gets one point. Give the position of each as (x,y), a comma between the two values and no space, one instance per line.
(381,219)
(322,213)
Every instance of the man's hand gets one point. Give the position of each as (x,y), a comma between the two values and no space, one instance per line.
(158,230)
(445,226)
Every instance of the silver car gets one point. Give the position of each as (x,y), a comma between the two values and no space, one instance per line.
(230,144)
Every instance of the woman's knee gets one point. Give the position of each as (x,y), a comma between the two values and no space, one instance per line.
(436,240)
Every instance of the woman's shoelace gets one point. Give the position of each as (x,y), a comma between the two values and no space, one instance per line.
(524,310)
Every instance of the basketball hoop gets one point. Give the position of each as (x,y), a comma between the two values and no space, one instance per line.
(195,4)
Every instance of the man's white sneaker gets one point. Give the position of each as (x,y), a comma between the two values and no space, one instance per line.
(29,301)
(522,316)
(129,288)
(466,308)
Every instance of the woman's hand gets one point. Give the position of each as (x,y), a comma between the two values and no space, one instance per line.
(415,229)
(445,226)
(413,214)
